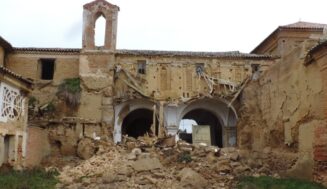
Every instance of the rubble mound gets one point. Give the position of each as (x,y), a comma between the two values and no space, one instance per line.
(148,163)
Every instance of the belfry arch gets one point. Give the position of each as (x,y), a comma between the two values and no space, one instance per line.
(92,11)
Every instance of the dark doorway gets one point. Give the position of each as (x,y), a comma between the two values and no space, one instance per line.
(7,147)
(205,117)
(138,123)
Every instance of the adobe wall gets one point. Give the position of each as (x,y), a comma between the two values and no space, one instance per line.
(27,65)
(285,110)
(2,56)
(38,146)
(320,131)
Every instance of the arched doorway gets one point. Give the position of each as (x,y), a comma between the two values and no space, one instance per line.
(138,123)
(205,117)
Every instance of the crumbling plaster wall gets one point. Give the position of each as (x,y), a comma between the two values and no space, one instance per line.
(320,130)
(174,81)
(283,109)
(96,73)
(169,78)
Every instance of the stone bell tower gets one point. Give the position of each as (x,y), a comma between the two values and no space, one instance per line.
(92,11)
(96,64)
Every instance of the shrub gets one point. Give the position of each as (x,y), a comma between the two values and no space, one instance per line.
(70,91)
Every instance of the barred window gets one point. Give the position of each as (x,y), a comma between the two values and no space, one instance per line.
(11,103)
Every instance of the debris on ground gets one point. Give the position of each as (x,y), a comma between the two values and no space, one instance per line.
(160,163)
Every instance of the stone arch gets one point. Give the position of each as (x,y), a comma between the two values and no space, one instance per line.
(125,109)
(226,119)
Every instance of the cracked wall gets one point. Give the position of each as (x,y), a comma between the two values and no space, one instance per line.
(284,108)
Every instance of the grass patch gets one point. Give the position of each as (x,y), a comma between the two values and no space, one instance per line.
(28,179)
(266,182)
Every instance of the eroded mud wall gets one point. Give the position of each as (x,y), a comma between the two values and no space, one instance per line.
(284,110)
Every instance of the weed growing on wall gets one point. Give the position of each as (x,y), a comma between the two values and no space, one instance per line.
(70,91)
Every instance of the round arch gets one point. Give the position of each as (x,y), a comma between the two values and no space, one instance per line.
(221,118)
(128,113)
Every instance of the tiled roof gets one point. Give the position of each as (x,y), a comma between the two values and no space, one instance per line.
(319,46)
(297,26)
(16,76)
(48,50)
(5,44)
(304,25)
(231,54)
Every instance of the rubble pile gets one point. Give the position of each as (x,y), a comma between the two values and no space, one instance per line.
(152,163)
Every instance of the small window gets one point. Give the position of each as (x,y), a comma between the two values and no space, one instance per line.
(47,68)
(199,68)
(255,67)
(141,66)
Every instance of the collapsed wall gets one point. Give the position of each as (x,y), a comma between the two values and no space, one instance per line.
(285,110)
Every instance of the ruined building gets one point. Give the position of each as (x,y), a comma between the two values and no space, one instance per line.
(13,112)
(274,96)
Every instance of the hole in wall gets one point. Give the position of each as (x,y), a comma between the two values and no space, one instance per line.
(138,123)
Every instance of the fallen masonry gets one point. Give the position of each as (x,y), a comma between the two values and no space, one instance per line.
(161,166)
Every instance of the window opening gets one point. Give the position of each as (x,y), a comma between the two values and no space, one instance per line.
(199,68)
(47,69)
(141,66)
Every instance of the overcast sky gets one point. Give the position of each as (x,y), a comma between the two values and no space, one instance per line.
(189,25)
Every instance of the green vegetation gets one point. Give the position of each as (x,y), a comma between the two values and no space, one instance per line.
(266,182)
(184,157)
(70,91)
(50,108)
(28,179)
(32,101)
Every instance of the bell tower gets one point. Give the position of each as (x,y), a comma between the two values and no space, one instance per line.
(92,11)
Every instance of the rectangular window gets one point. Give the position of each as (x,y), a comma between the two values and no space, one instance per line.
(199,68)
(141,66)
(47,68)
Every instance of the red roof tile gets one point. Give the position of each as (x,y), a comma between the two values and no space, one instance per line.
(16,76)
